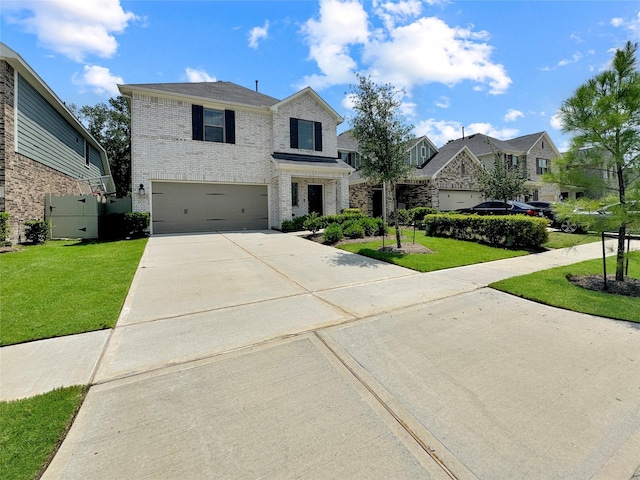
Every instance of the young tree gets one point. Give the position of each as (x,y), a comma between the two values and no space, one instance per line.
(502,183)
(604,116)
(110,124)
(381,132)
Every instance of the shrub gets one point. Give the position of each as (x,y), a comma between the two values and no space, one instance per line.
(512,231)
(404,217)
(298,222)
(287,226)
(122,225)
(313,222)
(351,211)
(36,231)
(5,228)
(136,223)
(333,233)
(353,229)
(370,226)
(418,213)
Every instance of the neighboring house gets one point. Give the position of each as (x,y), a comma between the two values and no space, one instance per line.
(217,156)
(43,147)
(369,198)
(448,179)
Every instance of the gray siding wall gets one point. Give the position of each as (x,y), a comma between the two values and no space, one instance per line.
(46,137)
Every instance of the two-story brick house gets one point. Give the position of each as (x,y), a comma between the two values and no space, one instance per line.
(44,149)
(217,156)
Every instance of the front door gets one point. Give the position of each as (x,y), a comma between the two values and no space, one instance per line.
(315,199)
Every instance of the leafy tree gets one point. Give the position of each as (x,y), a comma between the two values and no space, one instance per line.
(110,125)
(502,183)
(604,116)
(381,132)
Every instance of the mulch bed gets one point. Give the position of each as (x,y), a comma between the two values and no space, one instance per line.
(629,288)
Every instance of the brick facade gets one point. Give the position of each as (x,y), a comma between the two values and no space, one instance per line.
(163,150)
(25,182)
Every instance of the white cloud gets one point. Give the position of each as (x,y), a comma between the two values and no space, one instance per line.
(99,79)
(616,22)
(197,75)
(74,28)
(341,24)
(394,12)
(397,51)
(441,131)
(576,57)
(512,115)
(443,102)
(556,122)
(258,33)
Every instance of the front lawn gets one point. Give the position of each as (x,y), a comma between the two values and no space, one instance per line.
(565,240)
(31,430)
(551,287)
(447,253)
(64,287)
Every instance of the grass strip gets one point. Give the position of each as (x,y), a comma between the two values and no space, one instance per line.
(32,429)
(447,253)
(551,287)
(64,287)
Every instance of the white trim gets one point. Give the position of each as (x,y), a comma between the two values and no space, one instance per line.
(318,98)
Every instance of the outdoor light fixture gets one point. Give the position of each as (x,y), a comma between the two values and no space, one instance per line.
(141,190)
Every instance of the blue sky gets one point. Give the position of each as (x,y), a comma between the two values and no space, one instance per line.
(496,67)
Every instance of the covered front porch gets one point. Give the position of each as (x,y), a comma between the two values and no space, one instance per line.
(301,185)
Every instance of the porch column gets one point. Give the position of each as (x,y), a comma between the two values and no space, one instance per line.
(284,196)
(342,193)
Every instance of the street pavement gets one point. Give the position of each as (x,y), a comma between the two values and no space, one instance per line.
(264,355)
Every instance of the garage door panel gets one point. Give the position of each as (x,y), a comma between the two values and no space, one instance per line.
(454,199)
(193,207)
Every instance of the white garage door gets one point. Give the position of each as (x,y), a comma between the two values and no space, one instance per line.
(454,199)
(207,207)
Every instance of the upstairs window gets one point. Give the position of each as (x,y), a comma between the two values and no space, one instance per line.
(305,134)
(542,166)
(211,125)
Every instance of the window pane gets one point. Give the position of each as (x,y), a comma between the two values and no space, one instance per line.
(294,194)
(213,134)
(213,117)
(305,134)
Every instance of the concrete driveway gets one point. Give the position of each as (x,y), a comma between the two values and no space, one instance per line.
(264,355)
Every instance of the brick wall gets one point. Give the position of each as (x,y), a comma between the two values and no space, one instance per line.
(163,148)
(25,181)
(306,108)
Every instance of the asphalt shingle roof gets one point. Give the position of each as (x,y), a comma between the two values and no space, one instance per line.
(223,91)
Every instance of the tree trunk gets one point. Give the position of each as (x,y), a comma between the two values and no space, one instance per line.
(395,214)
(622,230)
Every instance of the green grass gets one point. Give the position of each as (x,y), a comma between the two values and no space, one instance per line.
(447,253)
(31,430)
(551,287)
(64,287)
(565,240)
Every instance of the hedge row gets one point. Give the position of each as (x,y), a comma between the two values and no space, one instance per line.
(512,231)
(417,214)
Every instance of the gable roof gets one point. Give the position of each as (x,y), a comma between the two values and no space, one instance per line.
(309,91)
(226,92)
(346,141)
(448,152)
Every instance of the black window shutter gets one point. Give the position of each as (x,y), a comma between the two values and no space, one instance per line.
(317,127)
(293,132)
(229,126)
(197,119)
